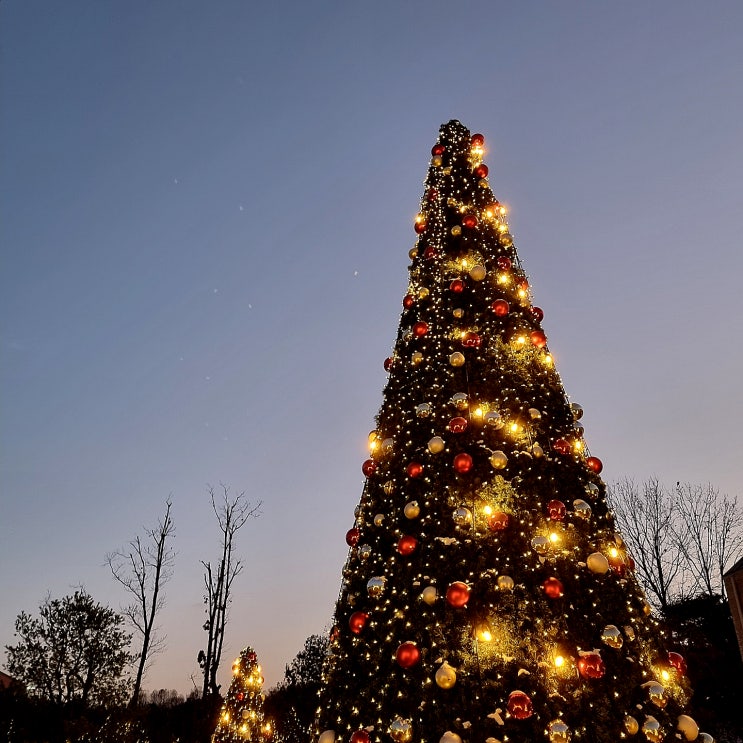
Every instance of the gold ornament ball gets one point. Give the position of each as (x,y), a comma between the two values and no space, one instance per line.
(592,490)
(558,732)
(365,552)
(483,183)
(505,583)
(462,516)
(597,563)
(582,509)
(706,738)
(375,586)
(436,161)
(478,272)
(493,419)
(416,358)
(653,730)
(537,451)
(457,359)
(389,487)
(328,736)
(413,253)
(446,676)
(576,410)
(456,230)
(631,725)
(446,170)
(657,694)
(612,636)
(423,410)
(436,445)
(540,545)
(378,519)
(498,460)
(423,292)
(429,595)
(412,510)
(458,312)
(449,737)
(535,414)
(507,239)
(387,445)
(688,727)
(401,731)
(460,400)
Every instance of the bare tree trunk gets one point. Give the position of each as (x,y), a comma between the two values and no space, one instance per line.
(143,570)
(647,521)
(232,512)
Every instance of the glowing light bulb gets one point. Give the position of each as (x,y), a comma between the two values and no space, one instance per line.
(478,413)
(614,552)
(665,675)
(514,427)
(487,510)
(548,360)
(559,661)
(554,537)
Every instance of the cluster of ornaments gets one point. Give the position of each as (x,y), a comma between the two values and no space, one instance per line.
(471,441)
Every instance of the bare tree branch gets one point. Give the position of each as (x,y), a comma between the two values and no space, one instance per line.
(143,570)
(232,513)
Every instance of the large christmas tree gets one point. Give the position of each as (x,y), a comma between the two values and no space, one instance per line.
(487,595)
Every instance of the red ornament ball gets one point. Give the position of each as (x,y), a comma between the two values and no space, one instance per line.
(537,313)
(594,464)
(438,149)
(408,301)
(553,588)
(556,510)
(477,140)
(420,329)
(240,696)
(407,655)
(498,521)
(463,463)
(481,171)
(414,469)
(678,662)
(407,544)
(591,666)
(504,263)
(519,705)
(352,537)
(538,338)
(469,221)
(523,285)
(561,446)
(500,307)
(430,253)
(471,340)
(360,736)
(432,194)
(420,226)
(458,594)
(357,621)
(458,425)
(457,286)
(369,467)
(388,363)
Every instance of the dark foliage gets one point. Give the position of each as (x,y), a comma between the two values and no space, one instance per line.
(703,630)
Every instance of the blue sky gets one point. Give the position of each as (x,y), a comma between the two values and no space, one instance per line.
(205,214)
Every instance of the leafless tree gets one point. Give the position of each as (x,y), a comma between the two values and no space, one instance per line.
(648,522)
(232,512)
(143,568)
(711,535)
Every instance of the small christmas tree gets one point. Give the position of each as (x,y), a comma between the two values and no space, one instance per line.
(487,595)
(241,717)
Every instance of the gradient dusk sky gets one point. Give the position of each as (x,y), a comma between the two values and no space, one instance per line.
(205,216)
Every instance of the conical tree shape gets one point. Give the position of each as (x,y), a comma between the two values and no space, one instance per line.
(241,716)
(487,595)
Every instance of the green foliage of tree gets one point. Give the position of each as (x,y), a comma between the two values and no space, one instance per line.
(74,651)
(703,630)
(291,705)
